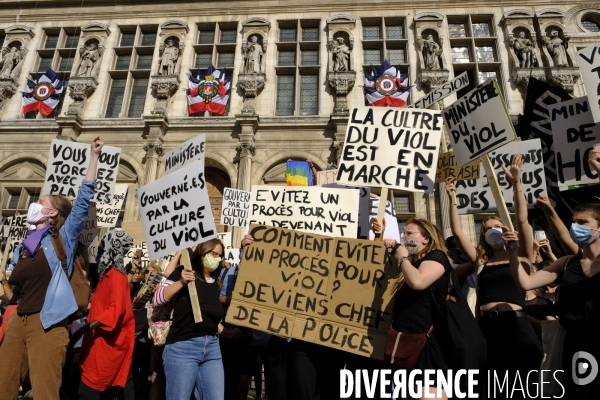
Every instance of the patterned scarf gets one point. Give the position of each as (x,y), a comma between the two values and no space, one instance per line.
(112,248)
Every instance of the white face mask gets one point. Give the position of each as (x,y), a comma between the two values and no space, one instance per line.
(493,237)
(34,213)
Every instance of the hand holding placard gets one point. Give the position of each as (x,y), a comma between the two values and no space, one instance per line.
(187,264)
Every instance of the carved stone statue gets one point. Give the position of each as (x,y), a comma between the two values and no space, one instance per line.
(341,55)
(557,49)
(168,60)
(10,59)
(524,50)
(431,53)
(253,54)
(90,55)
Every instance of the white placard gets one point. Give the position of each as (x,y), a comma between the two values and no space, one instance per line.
(232,256)
(574,133)
(15,227)
(176,212)
(68,164)
(89,231)
(441,92)
(478,123)
(589,65)
(391,147)
(109,213)
(326,211)
(474,196)
(235,210)
(226,238)
(391,223)
(185,153)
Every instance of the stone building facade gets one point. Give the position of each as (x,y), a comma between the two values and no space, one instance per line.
(296,72)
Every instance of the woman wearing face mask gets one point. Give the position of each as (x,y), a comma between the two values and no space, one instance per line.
(512,342)
(578,301)
(192,356)
(37,336)
(423,260)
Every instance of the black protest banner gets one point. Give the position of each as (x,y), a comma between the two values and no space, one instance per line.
(67,166)
(334,292)
(576,134)
(323,210)
(478,122)
(394,148)
(235,210)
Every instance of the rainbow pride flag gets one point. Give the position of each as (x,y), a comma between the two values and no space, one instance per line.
(298,173)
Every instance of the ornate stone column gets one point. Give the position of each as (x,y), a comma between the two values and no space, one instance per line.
(164,87)
(154,151)
(251,84)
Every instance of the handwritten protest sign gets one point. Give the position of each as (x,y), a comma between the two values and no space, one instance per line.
(327,211)
(109,213)
(145,260)
(226,238)
(176,212)
(395,148)
(475,196)
(236,207)
(185,153)
(68,163)
(447,166)
(15,227)
(326,177)
(440,92)
(589,65)
(334,292)
(89,232)
(575,133)
(478,122)
(232,256)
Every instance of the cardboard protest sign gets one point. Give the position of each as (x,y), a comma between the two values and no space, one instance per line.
(235,210)
(447,166)
(326,177)
(589,65)
(478,122)
(440,92)
(334,292)
(68,163)
(575,133)
(185,153)
(475,196)
(327,211)
(109,213)
(90,231)
(176,212)
(395,148)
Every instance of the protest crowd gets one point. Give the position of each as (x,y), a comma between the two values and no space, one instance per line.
(319,281)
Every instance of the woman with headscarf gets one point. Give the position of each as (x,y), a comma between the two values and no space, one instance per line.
(109,334)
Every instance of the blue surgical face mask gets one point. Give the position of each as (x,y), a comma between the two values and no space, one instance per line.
(582,235)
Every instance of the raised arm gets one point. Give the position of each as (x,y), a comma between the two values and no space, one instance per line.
(558,228)
(461,238)
(594,159)
(522,224)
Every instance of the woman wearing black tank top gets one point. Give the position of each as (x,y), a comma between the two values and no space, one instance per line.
(578,301)
(424,263)
(513,346)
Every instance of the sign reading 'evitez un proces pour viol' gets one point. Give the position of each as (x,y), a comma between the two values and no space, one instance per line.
(395,148)
(326,211)
(334,292)
(478,122)
(176,212)
(68,164)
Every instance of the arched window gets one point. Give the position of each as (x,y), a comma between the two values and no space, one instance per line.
(591,22)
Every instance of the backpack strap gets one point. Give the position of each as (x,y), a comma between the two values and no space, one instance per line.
(61,253)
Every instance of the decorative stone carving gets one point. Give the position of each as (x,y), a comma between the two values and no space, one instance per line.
(431,52)
(11,58)
(169,62)
(565,77)
(521,76)
(557,48)
(251,84)
(430,41)
(524,50)
(82,87)
(246,149)
(340,54)
(89,59)
(163,87)
(152,150)
(253,53)
(342,83)
(7,88)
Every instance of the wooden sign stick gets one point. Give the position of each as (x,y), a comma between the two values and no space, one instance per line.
(498,198)
(187,264)
(381,210)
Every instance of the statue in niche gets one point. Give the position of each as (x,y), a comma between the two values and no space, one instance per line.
(341,55)
(11,57)
(89,57)
(431,53)
(253,54)
(168,59)
(524,50)
(558,49)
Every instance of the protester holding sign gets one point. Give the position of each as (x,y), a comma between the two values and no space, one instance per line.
(38,335)
(579,297)
(192,357)
(511,341)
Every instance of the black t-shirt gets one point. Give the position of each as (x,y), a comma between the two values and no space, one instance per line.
(183,327)
(413,311)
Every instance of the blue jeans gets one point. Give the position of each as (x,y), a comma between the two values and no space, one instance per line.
(194,365)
